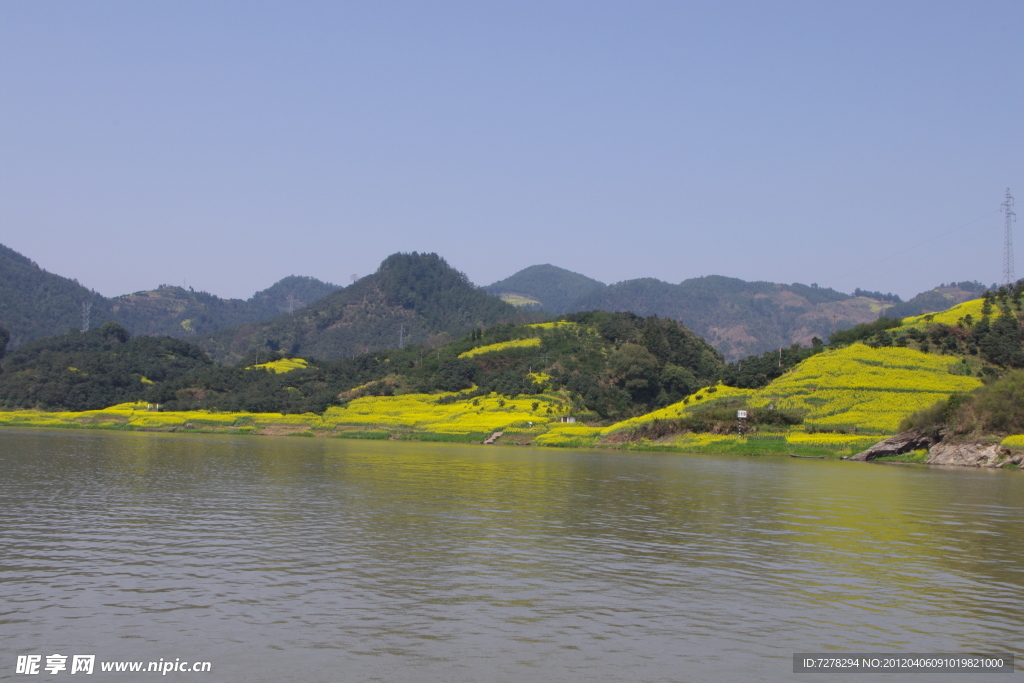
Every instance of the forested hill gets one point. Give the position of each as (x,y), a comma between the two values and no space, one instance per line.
(36,304)
(614,364)
(554,288)
(739,318)
(185,313)
(938,299)
(415,298)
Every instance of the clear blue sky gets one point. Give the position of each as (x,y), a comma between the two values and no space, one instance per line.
(228,144)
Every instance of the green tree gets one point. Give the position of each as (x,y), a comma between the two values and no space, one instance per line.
(635,369)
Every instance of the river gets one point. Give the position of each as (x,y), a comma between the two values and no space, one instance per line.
(301,559)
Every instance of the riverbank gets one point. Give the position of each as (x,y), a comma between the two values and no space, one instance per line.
(521,421)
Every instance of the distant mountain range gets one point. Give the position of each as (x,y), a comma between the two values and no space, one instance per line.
(737,317)
(36,304)
(418,298)
(549,287)
(410,299)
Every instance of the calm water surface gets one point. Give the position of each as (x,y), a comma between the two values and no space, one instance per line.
(330,560)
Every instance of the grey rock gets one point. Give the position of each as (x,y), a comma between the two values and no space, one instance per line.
(897,445)
(972,455)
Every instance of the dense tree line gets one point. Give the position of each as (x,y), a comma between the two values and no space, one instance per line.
(878,296)
(615,364)
(94,369)
(996,408)
(5,338)
(755,372)
(996,338)
(36,304)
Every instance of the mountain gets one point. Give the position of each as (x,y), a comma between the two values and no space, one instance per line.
(184,313)
(938,299)
(290,293)
(35,304)
(411,299)
(738,318)
(550,287)
(610,364)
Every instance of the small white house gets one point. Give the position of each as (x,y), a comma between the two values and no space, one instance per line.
(567,418)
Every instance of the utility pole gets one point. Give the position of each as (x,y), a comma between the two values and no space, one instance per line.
(86,310)
(401,334)
(1008,276)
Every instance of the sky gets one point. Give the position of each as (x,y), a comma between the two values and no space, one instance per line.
(225,145)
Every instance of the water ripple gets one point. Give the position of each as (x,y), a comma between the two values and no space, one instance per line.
(324,560)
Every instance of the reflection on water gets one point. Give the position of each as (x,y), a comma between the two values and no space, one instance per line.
(332,560)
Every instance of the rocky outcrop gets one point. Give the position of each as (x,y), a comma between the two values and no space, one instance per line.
(897,445)
(966,454)
(972,455)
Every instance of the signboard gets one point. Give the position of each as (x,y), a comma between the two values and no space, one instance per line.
(741,414)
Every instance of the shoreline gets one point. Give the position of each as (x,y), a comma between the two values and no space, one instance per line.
(296,426)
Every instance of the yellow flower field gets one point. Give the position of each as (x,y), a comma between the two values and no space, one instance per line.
(576,434)
(423,412)
(284,365)
(862,387)
(556,325)
(950,316)
(675,410)
(853,387)
(137,416)
(502,346)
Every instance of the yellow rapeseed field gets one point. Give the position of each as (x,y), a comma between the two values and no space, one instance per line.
(556,325)
(950,316)
(284,365)
(138,416)
(423,412)
(864,388)
(675,410)
(502,346)
(856,387)
(574,435)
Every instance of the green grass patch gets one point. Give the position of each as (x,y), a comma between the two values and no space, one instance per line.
(917,457)
(449,438)
(354,434)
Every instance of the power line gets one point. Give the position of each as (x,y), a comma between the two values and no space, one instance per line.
(1007,207)
(86,310)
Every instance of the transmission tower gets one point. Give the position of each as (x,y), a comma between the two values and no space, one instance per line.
(1008,276)
(86,309)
